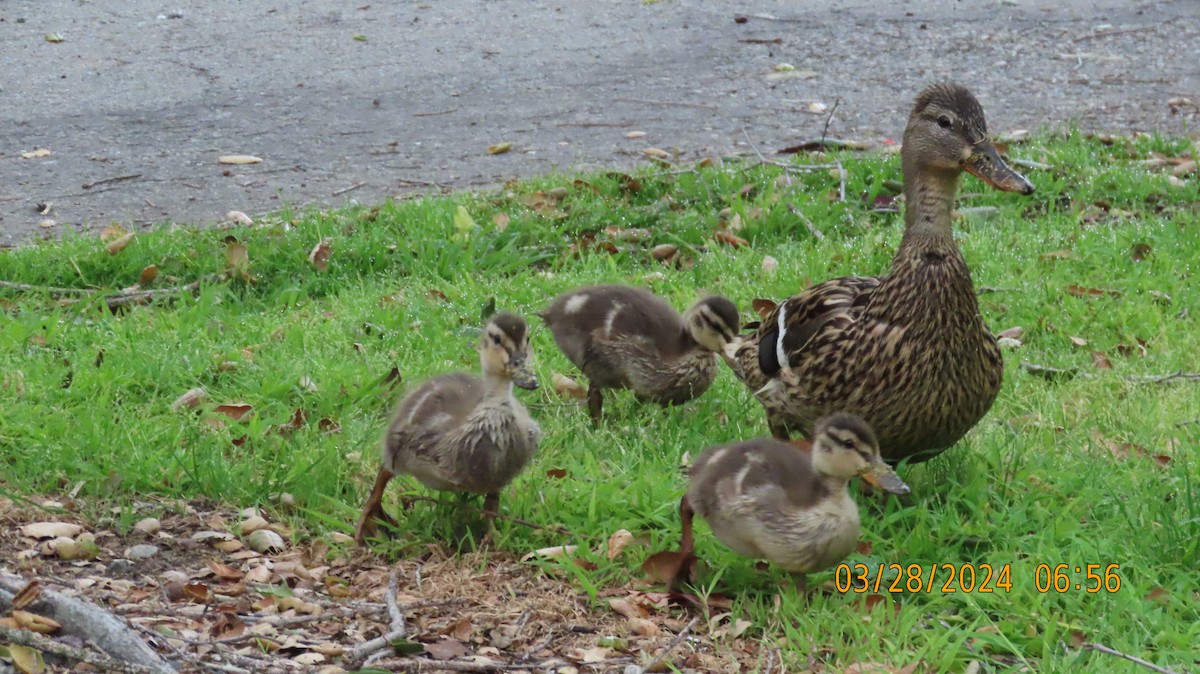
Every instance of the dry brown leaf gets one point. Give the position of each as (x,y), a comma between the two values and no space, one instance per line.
(224,571)
(35,623)
(446,649)
(1140,251)
(729,239)
(197,593)
(320,254)
(664,251)
(568,388)
(1101,361)
(501,221)
(148,275)
(656,153)
(1082,291)
(238,218)
(617,543)
(36,154)
(1159,594)
(117,245)
(769,265)
(1014,332)
(635,134)
(1078,341)
(237,258)
(51,530)
(234,411)
(191,398)
(499,148)
(628,608)
(669,566)
(642,627)
(556,473)
(238,159)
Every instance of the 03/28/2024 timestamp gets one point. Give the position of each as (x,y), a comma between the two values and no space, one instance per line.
(970,577)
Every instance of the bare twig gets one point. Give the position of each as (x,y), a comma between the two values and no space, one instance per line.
(829,118)
(1101,648)
(394,612)
(1106,33)
(114,299)
(841,182)
(434,114)
(424,665)
(347,189)
(683,633)
(399,629)
(786,166)
(90,623)
(812,229)
(48,645)
(678,104)
(1049,372)
(117,179)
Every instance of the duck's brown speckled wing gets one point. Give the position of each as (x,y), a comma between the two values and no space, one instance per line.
(828,306)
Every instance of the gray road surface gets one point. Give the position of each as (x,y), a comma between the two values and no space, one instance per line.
(160,91)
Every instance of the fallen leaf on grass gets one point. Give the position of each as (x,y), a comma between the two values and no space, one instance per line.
(117,245)
(554,552)
(237,258)
(234,411)
(670,567)
(643,627)
(594,654)
(1014,332)
(729,239)
(626,182)
(238,159)
(191,398)
(319,256)
(556,473)
(238,218)
(628,608)
(148,275)
(499,148)
(1101,361)
(617,543)
(769,265)
(501,221)
(568,388)
(1078,341)
(1082,291)
(1160,595)
(663,252)
(1140,251)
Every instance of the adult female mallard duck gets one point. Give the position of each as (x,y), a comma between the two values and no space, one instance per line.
(772,500)
(462,433)
(623,337)
(908,351)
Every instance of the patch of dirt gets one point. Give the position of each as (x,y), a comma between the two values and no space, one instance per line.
(206,602)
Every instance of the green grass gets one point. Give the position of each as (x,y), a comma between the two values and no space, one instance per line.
(87,393)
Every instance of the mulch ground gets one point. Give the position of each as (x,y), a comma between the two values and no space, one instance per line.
(207,602)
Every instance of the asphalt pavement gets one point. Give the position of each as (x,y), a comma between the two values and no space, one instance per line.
(137,100)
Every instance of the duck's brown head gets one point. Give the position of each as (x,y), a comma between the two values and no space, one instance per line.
(947,133)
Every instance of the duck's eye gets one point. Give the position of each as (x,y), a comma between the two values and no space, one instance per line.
(496,340)
(945,122)
(848,443)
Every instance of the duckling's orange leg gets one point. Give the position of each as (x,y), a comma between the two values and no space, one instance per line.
(373,512)
(595,402)
(686,560)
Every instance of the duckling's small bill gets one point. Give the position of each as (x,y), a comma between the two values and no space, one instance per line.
(882,476)
(522,376)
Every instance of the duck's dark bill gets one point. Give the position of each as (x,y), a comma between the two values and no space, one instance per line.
(987,165)
(526,380)
(883,477)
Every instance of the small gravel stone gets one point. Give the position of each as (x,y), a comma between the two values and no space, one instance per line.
(120,567)
(141,551)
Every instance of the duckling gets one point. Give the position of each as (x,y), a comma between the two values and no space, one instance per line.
(773,500)
(462,433)
(624,337)
(908,351)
